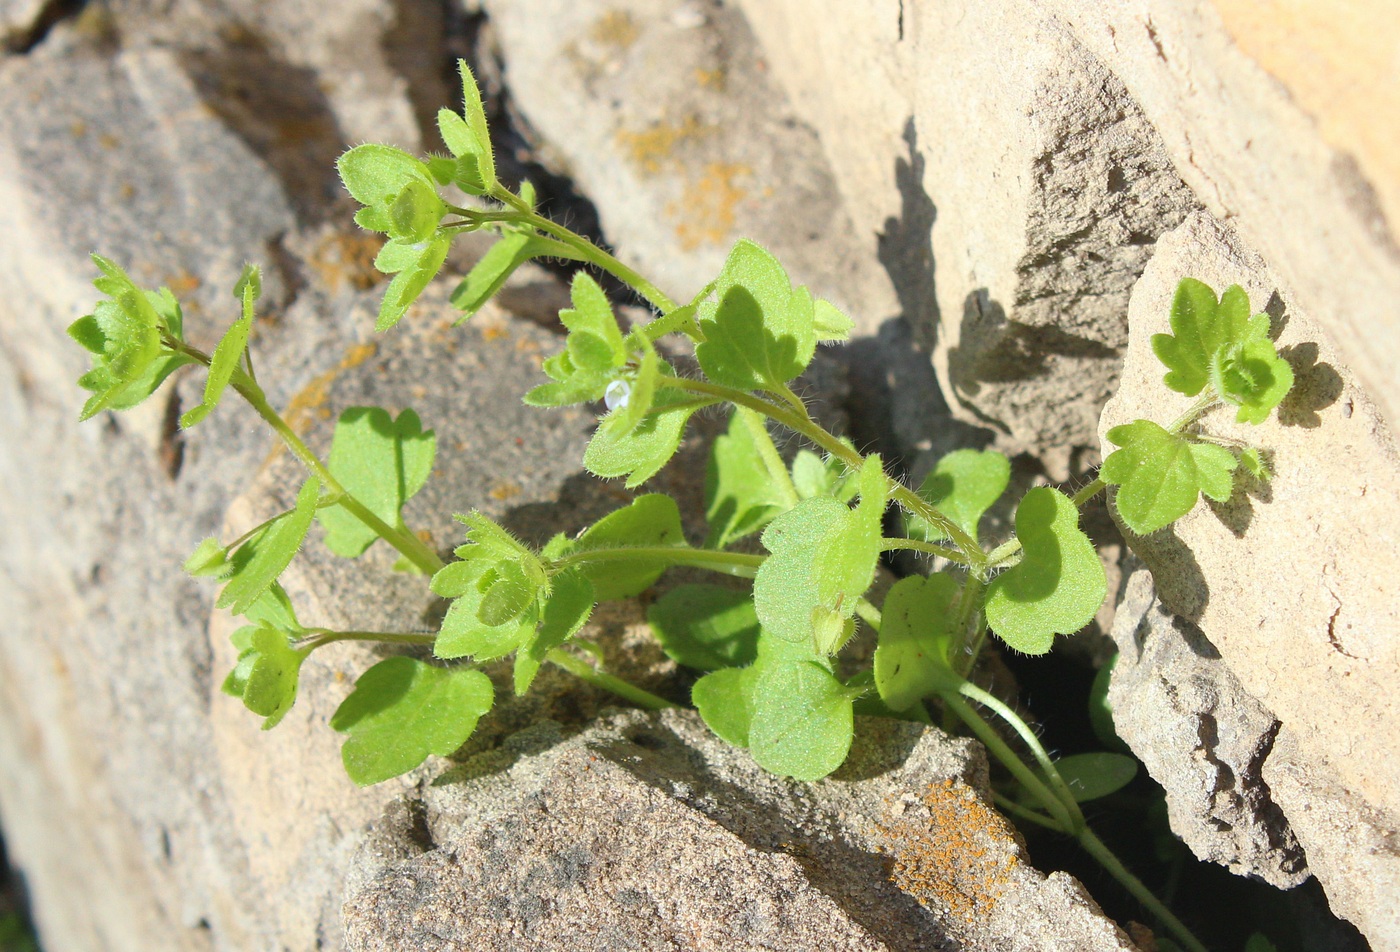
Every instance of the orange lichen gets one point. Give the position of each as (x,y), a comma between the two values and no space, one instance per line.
(615,28)
(182,283)
(504,490)
(956,857)
(305,406)
(652,149)
(347,257)
(711,78)
(706,212)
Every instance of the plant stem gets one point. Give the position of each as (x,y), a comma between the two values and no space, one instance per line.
(778,474)
(587,250)
(970,623)
(1085,494)
(739,564)
(869,614)
(585,671)
(813,431)
(321,637)
(1206,401)
(1096,848)
(928,548)
(1008,805)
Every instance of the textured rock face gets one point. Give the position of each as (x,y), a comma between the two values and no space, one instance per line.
(1306,627)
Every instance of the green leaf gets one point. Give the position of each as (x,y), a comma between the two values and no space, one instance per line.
(1252,376)
(266,674)
(650,520)
(570,602)
(759,331)
(402,710)
(273,609)
(475,114)
(485,539)
(1257,942)
(706,626)
(640,393)
(463,143)
(641,452)
(724,699)
(415,212)
(1100,713)
(829,323)
(463,633)
(592,316)
(123,335)
(814,476)
(209,560)
(740,495)
(490,274)
(411,281)
(1253,461)
(1159,474)
(963,485)
(801,722)
(824,558)
(1091,776)
(229,351)
(1059,583)
(917,632)
(375,174)
(380,461)
(259,561)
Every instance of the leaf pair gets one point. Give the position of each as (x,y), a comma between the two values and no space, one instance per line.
(823,560)
(594,353)
(759,331)
(1160,474)
(124,336)
(382,462)
(1220,344)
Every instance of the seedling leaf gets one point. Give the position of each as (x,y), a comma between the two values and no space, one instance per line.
(706,626)
(382,462)
(917,631)
(1059,583)
(402,710)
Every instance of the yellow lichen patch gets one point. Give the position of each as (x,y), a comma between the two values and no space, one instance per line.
(956,857)
(615,28)
(653,148)
(305,407)
(705,214)
(504,490)
(347,258)
(182,283)
(711,78)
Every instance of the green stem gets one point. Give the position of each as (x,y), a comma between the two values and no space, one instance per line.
(807,427)
(869,614)
(1206,401)
(587,250)
(1008,805)
(1012,719)
(601,679)
(409,545)
(1085,494)
(1096,848)
(322,636)
(971,624)
(1002,751)
(952,555)
(778,474)
(739,564)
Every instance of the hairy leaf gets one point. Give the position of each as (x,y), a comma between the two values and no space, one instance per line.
(411,281)
(259,561)
(490,274)
(963,485)
(801,721)
(402,710)
(266,674)
(724,698)
(415,212)
(650,520)
(917,632)
(814,476)
(375,174)
(463,633)
(639,453)
(475,114)
(1252,376)
(706,626)
(740,493)
(1160,474)
(224,361)
(570,602)
(1059,583)
(380,461)
(823,560)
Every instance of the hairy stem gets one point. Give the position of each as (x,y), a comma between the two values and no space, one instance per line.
(739,564)
(319,637)
(778,473)
(1109,860)
(928,548)
(601,679)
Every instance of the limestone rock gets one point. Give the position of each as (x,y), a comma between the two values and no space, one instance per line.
(662,113)
(19,21)
(1202,737)
(647,832)
(1283,578)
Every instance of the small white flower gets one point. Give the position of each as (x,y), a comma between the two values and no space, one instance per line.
(617,394)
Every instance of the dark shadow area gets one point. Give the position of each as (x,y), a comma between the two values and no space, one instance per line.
(855,879)
(280,112)
(49,16)
(994,349)
(1181,585)
(1316,386)
(905,246)
(16,928)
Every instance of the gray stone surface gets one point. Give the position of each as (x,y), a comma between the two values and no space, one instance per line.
(645,832)
(1284,578)
(1202,737)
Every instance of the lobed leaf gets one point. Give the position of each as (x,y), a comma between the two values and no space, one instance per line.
(917,632)
(650,520)
(375,174)
(266,674)
(963,485)
(570,602)
(706,626)
(1252,376)
(1159,474)
(382,462)
(463,633)
(1059,583)
(639,453)
(259,561)
(229,351)
(402,710)
(740,495)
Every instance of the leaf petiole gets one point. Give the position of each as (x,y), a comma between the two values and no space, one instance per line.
(739,564)
(601,679)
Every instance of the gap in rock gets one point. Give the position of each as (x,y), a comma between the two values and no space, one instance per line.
(16,925)
(50,15)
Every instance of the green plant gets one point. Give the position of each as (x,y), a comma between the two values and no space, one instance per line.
(771,680)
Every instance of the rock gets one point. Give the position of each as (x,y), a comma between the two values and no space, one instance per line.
(1287,580)
(1202,737)
(19,22)
(647,832)
(662,113)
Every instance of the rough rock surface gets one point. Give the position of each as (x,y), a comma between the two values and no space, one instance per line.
(1307,627)
(1170,693)
(646,832)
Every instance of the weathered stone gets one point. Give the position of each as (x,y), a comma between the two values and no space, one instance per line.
(19,21)
(647,832)
(1282,579)
(662,113)
(1202,737)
